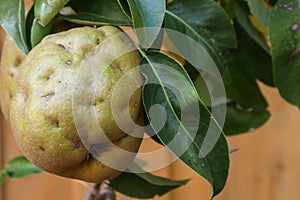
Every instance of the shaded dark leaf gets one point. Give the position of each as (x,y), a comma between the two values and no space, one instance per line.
(97,12)
(262,63)
(259,10)
(144,185)
(29,22)
(247,108)
(204,27)
(242,14)
(284,36)
(229,7)
(240,121)
(125,7)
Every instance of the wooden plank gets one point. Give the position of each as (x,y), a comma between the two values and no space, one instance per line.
(1,150)
(267,165)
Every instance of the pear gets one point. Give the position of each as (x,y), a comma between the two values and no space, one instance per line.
(11,60)
(64,111)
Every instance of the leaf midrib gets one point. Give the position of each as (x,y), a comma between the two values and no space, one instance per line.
(168,100)
(212,50)
(199,36)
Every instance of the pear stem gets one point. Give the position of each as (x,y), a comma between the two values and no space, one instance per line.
(99,192)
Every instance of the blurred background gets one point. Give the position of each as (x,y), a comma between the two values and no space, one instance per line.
(266,166)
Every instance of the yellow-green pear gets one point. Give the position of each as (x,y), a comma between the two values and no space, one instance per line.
(11,60)
(62,114)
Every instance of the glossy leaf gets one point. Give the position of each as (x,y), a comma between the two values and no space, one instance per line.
(203,20)
(272,2)
(192,71)
(29,22)
(259,10)
(12,19)
(242,14)
(34,31)
(257,59)
(284,36)
(229,7)
(261,64)
(247,108)
(240,120)
(202,90)
(92,19)
(18,168)
(97,12)
(144,185)
(45,10)
(147,15)
(38,32)
(125,8)
(183,134)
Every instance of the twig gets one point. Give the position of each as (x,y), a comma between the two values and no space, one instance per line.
(106,193)
(92,191)
(96,192)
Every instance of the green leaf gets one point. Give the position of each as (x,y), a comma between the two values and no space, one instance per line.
(241,85)
(97,12)
(262,65)
(125,8)
(247,108)
(2,176)
(259,10)
(144,185)
(34,31)
(192,71)
(242,14)
(240,120)
(229,7)
(182,132)
(272,2)
(207,23)
(284,36)
(29,22)
(255,57)
(148,14)
(93,19)
(12,19)
(38,32)
(45,10)
(202,90)
(18,168)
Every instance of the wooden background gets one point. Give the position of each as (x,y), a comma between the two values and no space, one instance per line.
(267,166)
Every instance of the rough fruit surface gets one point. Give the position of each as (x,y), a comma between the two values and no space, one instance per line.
(11,59)
(60,73)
